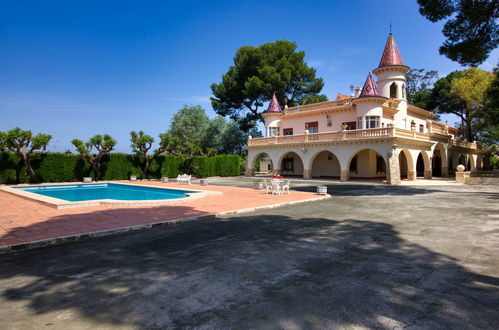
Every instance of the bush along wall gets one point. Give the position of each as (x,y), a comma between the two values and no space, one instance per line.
(220,165)
(58,167)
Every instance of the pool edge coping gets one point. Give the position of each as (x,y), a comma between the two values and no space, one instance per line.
(120,230)
(61,204)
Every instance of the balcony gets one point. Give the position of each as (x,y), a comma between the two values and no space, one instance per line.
(354,135)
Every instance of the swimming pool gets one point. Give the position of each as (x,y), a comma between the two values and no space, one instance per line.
(99,191)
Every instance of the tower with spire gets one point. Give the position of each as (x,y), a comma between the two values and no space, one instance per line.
(272,117)
(391,72)
(391,78)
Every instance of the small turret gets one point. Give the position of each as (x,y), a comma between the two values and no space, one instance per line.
(274,106)
(369,105)
(272,117)
(370,89)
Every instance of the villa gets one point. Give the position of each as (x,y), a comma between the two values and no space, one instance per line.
(374,134)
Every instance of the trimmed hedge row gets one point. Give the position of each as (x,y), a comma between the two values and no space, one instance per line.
(58,167)
(220,165)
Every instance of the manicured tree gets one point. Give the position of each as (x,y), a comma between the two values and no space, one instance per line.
(142,143)
(102,143)
(24,144)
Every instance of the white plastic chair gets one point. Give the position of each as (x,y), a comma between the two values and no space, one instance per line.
(285,187)
(184,178)
(268,187)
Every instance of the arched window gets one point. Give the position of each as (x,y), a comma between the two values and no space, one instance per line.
(393,90)
(403,91)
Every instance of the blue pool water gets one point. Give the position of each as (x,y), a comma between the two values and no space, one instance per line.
(85,192)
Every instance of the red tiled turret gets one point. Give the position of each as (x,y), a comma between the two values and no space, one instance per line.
(369,89)
(273,105)
(391,55)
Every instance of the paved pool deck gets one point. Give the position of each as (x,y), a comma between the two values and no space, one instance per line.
(26,224)
(369,257)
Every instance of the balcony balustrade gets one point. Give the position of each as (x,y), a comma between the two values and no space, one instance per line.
(359,134)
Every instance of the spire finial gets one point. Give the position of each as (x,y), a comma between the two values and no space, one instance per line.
(390,27)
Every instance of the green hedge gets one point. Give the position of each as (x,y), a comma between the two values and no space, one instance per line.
(58,167)
(220,165)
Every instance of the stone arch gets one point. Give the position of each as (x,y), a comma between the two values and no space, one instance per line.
(324,163)
(269,162)
(290,163)
(406,164)
(439,161)
(423,165)
(367,163)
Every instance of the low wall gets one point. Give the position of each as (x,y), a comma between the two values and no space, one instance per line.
(475,180)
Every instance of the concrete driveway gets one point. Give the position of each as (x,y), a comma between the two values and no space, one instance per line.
(369,257)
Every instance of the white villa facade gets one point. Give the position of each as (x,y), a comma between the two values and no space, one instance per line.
(372,134)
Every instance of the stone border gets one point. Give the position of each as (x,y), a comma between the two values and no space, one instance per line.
(115,231)
(63,204)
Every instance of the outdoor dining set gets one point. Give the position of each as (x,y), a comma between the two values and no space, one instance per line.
(276,186)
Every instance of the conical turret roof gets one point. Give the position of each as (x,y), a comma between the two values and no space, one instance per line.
(369,89)
(273,105)
(391,55)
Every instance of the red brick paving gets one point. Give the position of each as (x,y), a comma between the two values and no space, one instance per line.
(24,221)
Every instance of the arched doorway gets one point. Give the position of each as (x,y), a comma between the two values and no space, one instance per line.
(420,166)
(438,160)
(263,164)
(406,165)
(291,164)
(367,164)
(325,165)
(423,165)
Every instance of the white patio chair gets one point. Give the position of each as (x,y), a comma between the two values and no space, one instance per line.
(285,187)
(268,186)
(184,178)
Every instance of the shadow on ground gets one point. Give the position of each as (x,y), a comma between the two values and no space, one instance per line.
(262,271)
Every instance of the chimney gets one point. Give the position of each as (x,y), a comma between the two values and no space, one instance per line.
(357,91)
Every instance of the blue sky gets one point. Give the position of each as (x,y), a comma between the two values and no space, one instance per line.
(79,68)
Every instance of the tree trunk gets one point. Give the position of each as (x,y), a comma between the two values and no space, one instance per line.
(96,167)
(469,132)
(28,168)
(147,163)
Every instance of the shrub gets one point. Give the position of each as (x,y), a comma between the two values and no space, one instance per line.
(58,167)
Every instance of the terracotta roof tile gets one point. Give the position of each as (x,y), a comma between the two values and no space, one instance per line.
(391,55)
(273,105)
(369,88)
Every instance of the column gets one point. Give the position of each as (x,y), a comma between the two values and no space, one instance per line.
(428,174)
(344,175)
(411,175)
(307,174)
(393,168)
